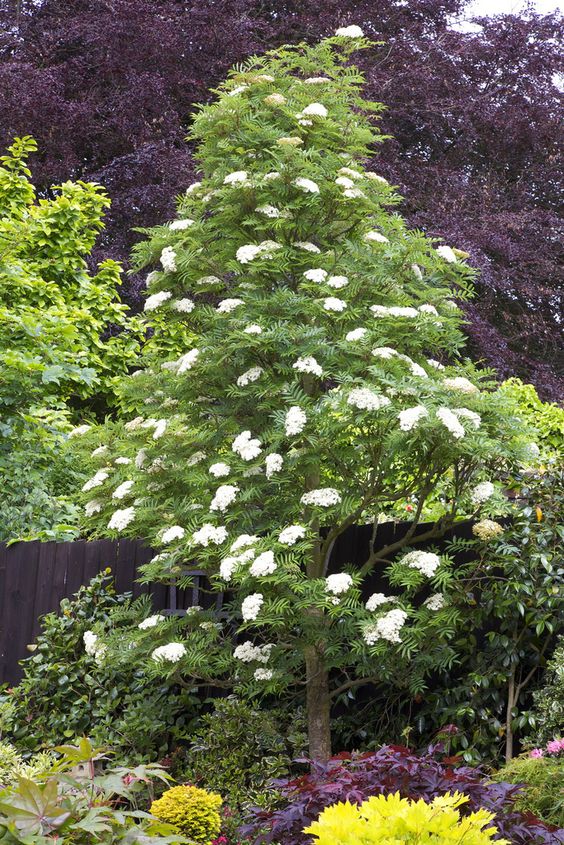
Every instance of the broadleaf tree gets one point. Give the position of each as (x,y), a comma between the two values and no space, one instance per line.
(325,384)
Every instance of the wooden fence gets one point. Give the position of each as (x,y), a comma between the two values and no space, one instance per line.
(35,577)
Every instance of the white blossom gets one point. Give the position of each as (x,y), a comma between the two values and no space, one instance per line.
(388,627)
(184,306)
(315,110)
(417,272)
(101,450)
(243,541)
(156,300)
(366,400)
(469,415)
(193,187)
(316,80)
(122,491)
(385,352)
(168,259)
(308,365)
(338,584)
(219,470)
(356,334)
(248,652)
(175,532)
(251,606)
(331,303)
(394,311)
(416,369)
(96,481)
(209,534)
(169,653)
(447,253)
(225,495)
(80,429)
(209,280)
(377,599)
(274,463)
(196,458)
(290,535)
(186,361)
(253,328)
(275,99)
(307,246)
(151,622)
(451,422)
(374,177)
(268,210)
(237,90)
(140,458)
(121,519)
(337,282)
(460,383)
(251,375)
(263,565)
(151,277)
(324,497)
(435,602)
(90,639)
(316,275)
(228,305)
(353,193)
(263,674)
(409,418)
(344,182)
(306,185)
(435,364)
(482,492)
(238,177)
(123,461)
(352,31)
(426,562)
(249,252)
(376,237)
(428,309)
(92,507)
(246,447)
(178,225)
(135,423)
(270,177)
(160,429)
(295,421)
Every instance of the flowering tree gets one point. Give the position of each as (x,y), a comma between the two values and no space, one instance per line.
(324,386)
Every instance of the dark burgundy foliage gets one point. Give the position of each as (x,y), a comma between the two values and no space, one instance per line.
(355,777)
(108,88)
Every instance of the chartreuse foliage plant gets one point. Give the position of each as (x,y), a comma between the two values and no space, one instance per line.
(193,811)
(542,785)
(52,315)
(548,707)
(390,819)
(324,384)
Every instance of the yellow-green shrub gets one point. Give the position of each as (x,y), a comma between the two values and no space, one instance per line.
(192,810)
(391,820)
(542,779)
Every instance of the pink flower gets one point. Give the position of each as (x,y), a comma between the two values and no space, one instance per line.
(555,746)
(537,752)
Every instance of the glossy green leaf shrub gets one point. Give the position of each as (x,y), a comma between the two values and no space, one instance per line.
(193,811)
(543,786)
(548,709)
(390,820)
(546,417)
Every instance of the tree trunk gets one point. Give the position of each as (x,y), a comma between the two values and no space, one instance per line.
(511,698)
(318,706)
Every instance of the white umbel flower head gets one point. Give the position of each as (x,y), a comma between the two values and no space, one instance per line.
(151,622)
(338,583)
(460,383)
(435,602)
(160,428)
(92,507)
(331,303)
(179,225)
(482,492)
(246,447)
(238,177)
(121,519)
(324,497)
(377,599)
(466,414)
(186,361)
(351,31)
(248,652)
(263,674)
(243,541)
(337,282)
(376,237)
(426,562)
(316,275)
(251,606)
(80,429)
(447,254)
(96,481)
(307,246)
(388,627)
(123,490)
(411,417)
(315,110)
(263,565)
(356,334)
(253,328)
(290,535)
(169,653)
(226,306)
(295,421)
(219,470)
(183,306)
(274,464)
(224,496)
(156,300)
(366,400)
(268,210)
(451,422)
(306,185)
(251,375)
(209,534)
(308,365)
(169,535)
(168,259)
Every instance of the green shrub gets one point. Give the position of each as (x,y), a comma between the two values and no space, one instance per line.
(237,749)
(543,786)
(13,765)
(192,811)
(390,819)
(549,700)
(65,693)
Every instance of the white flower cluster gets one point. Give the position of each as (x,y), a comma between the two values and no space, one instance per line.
(122,461)
(96,481)
(366,400)
(306,185)
(332,303)
(169,535)
(249,252)
(376,237)
(377,599)
(447,253)
(80,429)
(93,647)
(249,653)
(268,210)
(246,446)
(409,418)
(263,565)
(160,428)
(482,492)
(314,110)
(168,259)
(324,497)
(290,535)
(394,311)
(219,470)
(231,563)
(435,602)
(451,422)
(251,606)
(183,306)
(274,463)
(178,225)
(209,534)
(307,246)
(471,416)
(251,375)
(185,362)
(226,306)
(316,80)
(426,562)
(487,529)
(308,365)
(169,653)
(356,334)
(120,519)
(224,496)
(92,507)
(122,491)
(263,674)
(460,383)
(388,627)
(337,282)
(295,421)
(243,541)
(253,328)
(156,300)
(238,177)
(317,274)
(338,583)
(352,31)
(151,622)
